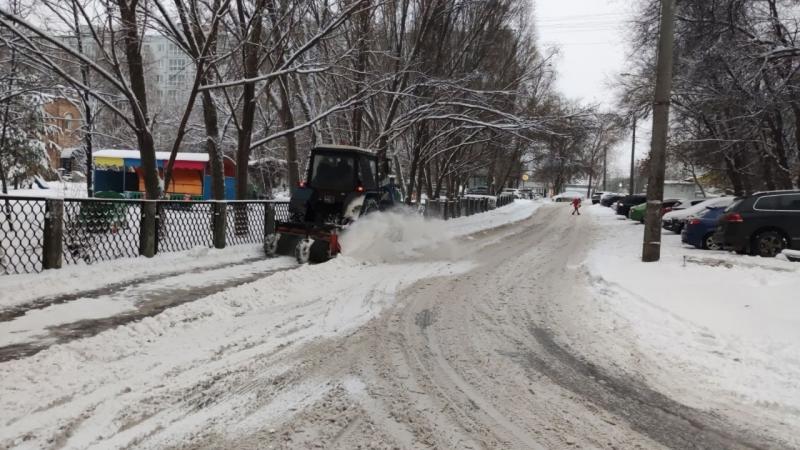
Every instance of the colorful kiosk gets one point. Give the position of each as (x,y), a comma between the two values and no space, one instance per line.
(120,171)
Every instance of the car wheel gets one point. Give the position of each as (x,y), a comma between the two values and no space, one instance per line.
(709,243)
(768,244)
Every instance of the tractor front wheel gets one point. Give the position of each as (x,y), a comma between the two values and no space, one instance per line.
(271,244)
(302,252)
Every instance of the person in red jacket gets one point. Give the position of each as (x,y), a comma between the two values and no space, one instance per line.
(576,206)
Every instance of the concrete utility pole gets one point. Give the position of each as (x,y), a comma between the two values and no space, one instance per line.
(632,187)
(651,249)
(605,168)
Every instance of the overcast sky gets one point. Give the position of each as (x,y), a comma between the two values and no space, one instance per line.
(591,38)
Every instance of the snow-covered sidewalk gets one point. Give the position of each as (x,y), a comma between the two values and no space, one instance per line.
(712,329)
(147,377)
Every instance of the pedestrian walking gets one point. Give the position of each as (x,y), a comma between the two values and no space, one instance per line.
(576,206)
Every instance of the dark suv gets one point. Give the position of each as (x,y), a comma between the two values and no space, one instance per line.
(625,204)
(762,224)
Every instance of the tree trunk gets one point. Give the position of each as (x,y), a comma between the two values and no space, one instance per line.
(292,166)
(250,61)
(363,23)
(215,156)
(135,64)
(796,111)
(776,126)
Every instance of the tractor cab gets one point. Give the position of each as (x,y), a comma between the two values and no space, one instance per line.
(340,183)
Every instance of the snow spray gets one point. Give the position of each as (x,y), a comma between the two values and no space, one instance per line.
(397,235)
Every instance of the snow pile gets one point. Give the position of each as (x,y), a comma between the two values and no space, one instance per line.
(721,323)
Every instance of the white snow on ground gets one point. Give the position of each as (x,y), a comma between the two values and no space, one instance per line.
(18,289)
(57,189)
(722,328)
(109,390)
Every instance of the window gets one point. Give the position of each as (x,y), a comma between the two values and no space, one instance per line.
(333,172)
(367,173)
(784,202)
(791,202)
(67,121)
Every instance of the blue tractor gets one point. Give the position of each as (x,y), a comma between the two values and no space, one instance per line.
(341,185)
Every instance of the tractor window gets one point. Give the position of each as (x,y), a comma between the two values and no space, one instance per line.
(367,173)
(334,172)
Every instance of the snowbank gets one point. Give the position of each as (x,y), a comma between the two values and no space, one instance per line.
(718,322)
(18,289)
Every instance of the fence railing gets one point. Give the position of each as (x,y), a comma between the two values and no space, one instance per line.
(40,233)
(464,206)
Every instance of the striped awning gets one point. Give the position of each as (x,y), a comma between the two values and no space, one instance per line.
(107,163)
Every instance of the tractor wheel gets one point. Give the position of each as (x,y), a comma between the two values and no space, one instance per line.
(768,244)
(302,252)
(271,244)
(320,252)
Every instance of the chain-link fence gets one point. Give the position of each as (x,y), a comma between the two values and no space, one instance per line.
(245,222)
(100,230)
(21,234)
(183,225)
(84,231)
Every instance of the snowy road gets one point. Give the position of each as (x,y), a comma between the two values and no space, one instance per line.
(477,342)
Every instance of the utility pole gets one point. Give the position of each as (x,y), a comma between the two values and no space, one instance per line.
(651,247)
(632,187)
(605,168)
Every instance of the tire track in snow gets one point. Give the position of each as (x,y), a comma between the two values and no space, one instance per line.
(151,303)
(20,310)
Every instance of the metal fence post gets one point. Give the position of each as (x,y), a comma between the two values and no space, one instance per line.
(269,219)
(446,210)
(53,239)
(219,223)
(148,229)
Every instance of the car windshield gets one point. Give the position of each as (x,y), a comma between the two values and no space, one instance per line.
(334,172)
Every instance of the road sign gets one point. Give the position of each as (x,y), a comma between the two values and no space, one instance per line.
(525,177)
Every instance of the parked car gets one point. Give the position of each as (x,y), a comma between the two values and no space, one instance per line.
(610,199)
(566,197)
(687,204)
(638,212)
(526,193)
(762,224)
(675,220)
(515,192)
(625,204)
(699,231)
(596,197)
